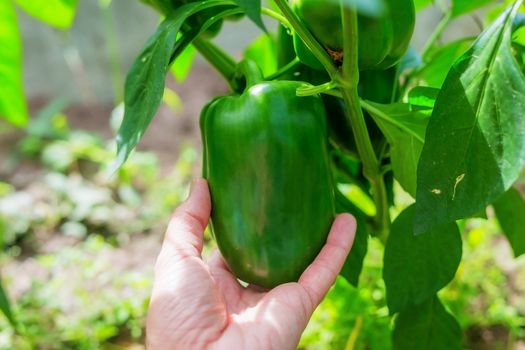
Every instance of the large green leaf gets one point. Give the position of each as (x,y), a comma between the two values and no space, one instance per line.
(354,262)
(462,7)
(510,211)
(252,8)
(182,65)
(518,37)
(57,13)
(475,140)
(421,4)
(422,97)
(427,326)
(145,81)
(12,103)
(405,132)
(418,266)
(263,51)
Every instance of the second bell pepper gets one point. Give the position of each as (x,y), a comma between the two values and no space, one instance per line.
(383,40)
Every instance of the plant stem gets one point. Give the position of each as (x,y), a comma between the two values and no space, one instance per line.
(113,54)
(317,89)
(371,165)
(442,25)
(277,16)
(352,339)
(354,113)
(219,59)
(347,82)
(285,69)
(305,35)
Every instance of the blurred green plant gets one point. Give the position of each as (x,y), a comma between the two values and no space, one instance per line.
(54,312)
(76,197)
(351,318)
(488,287)
(5,305)
(56,13)
(76,194)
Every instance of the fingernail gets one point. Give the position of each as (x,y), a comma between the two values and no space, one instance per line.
(192,187)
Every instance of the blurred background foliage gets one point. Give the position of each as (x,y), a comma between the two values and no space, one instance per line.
(78,246)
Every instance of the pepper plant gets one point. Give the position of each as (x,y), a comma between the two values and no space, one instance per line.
(446,123)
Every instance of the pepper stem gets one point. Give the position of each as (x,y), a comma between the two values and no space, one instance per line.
(247,74)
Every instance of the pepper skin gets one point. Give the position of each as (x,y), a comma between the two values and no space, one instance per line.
(382,40)
(267,164)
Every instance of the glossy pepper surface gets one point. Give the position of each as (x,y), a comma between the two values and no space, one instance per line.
(383,40)
(267,165)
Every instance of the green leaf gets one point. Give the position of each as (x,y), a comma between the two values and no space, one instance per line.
(263,51)
(182,64)
(510,211)
(417,266)
(427,326)
(5,306)
(421,4)
(145,81)
(405,132)
(252,8)
(423,97)
(47,122)
(475,141)
(354,262)
(518,37)
(462,7)
(12,103)
(57,13)
(441,60)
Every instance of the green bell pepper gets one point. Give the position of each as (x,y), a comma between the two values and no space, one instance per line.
(383,40)
(267,164)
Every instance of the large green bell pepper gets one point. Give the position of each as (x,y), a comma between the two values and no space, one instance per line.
(268,168)
(383,40)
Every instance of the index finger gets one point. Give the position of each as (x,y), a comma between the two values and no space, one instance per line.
(321,274)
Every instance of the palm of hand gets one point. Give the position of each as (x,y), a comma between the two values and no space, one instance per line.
(195,305)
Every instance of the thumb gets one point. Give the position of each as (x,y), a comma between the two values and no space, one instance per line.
(187,224)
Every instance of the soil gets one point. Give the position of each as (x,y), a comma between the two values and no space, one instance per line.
(495,337)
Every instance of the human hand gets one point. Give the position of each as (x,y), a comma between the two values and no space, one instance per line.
(198,305)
